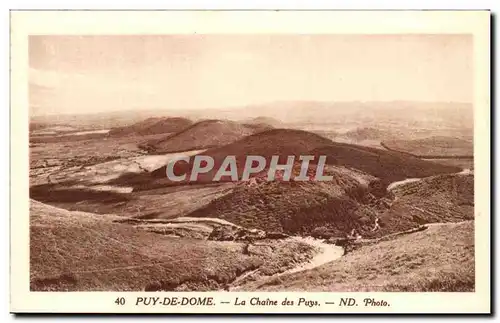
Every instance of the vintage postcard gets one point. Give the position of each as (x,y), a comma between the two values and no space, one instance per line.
(250,161)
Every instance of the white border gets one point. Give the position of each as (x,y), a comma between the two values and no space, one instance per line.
(401,20)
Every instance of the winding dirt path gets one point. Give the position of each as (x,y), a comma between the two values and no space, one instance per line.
(327,253)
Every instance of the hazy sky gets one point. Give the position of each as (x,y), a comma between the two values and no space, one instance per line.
(86,74)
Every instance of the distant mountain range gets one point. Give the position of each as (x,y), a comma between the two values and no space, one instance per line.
(400,112)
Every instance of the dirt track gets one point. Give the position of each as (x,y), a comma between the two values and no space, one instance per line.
(327,253)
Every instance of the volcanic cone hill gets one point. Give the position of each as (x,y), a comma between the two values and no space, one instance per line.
(281,142)
(298,207)
(202,135)
(387,166)
(152,126)
(264,121)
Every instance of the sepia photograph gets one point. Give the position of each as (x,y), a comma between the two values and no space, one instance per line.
(253,162)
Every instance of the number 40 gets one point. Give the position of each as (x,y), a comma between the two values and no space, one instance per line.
(120,301)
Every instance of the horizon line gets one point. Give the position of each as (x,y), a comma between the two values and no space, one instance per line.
(235,107)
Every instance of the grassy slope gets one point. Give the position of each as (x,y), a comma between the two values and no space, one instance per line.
(152,126)
(386,165)
(264,121)
(201,135)
(440,258)
(463,163)
(442,198)
(366,133)
(82,251)
(433,146)
(336,209)
(294,207)
(160,203)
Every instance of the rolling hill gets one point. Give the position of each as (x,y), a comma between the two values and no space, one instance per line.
(367,133)
(202,135)
(264,121)
(152,126)
(436,146)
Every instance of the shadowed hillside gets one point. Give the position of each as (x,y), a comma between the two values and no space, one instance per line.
(349,201)
(279,142)
(388,166)
(299,207)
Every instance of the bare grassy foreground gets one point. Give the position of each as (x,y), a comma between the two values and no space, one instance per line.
(438,259)
(77,251)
